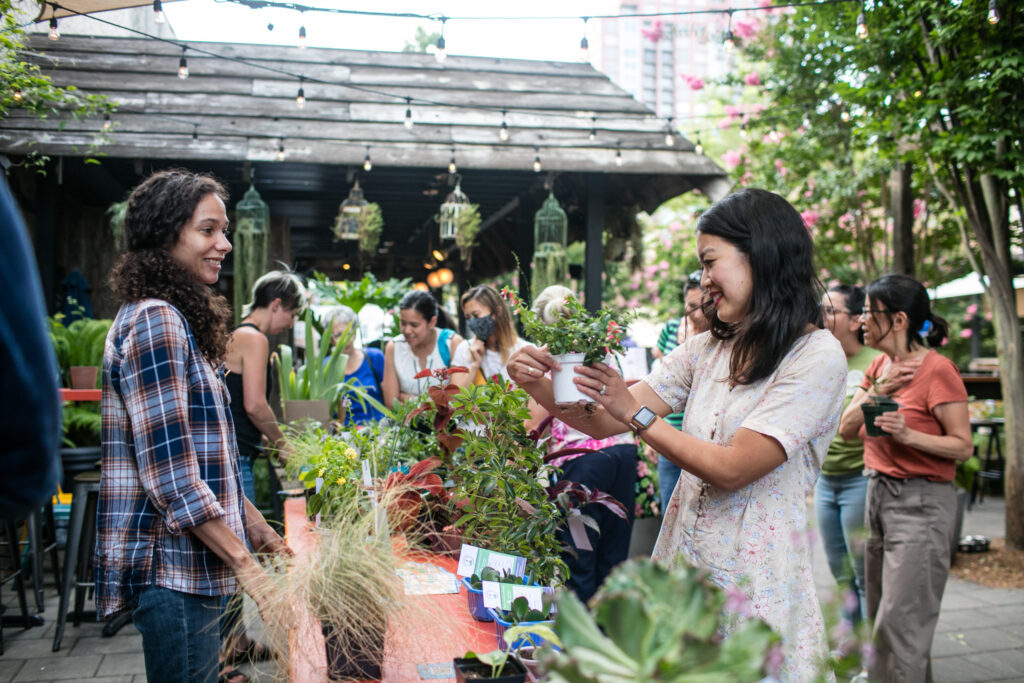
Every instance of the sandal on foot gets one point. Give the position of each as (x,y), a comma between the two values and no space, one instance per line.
(253,652)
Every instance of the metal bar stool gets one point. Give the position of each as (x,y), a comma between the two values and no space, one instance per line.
(10,528)
(78,557)
(42,536)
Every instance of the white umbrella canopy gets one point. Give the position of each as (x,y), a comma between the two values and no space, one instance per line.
(966,286)
(67,8)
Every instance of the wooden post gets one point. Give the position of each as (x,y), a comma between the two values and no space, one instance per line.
(593,263)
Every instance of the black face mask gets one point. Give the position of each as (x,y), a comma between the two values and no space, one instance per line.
(482,328)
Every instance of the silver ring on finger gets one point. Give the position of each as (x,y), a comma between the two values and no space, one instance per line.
(604,389)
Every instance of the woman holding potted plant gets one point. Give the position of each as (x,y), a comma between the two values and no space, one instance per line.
(172,521)
(911,502)
(421,346)
(761,394)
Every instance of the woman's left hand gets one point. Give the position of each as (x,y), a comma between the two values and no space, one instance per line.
(605,385)
(265,540)
(895,424)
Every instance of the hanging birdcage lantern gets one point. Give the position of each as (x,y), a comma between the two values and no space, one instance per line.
(456,203)
(550,260)
(252,224)
(350,213)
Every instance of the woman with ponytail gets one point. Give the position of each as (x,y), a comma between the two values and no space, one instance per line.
(911,502)
(172,521)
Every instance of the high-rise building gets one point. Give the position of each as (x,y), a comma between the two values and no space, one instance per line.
(653,64)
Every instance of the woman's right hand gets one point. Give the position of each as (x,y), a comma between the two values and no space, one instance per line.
(530,364)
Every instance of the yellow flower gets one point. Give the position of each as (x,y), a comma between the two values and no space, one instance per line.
(341,481)
(351,453)
(321,475)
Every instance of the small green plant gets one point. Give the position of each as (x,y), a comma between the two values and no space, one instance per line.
(492,574)
(526,633)
(371,224)
(467,229)
(596,334)
(322,375)
(80,343)
(321,455)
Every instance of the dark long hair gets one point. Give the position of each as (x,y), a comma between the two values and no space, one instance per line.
(421,302)
(786,294)
(157,211)
(504,332)
(899,292)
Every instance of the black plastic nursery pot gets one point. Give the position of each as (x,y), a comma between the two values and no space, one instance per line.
(871,411)
(474,669)
(361,662)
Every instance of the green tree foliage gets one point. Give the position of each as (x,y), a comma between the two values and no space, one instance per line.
(421,40)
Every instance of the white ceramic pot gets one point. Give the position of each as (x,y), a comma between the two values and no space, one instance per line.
(566,391)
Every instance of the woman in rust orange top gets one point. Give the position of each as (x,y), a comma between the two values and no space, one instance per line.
(911,502)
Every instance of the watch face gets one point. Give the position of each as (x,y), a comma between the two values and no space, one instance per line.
(644,416)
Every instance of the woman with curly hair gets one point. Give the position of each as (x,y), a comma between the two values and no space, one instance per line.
(172,520)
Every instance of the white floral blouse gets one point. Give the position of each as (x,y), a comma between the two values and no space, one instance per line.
(756,539)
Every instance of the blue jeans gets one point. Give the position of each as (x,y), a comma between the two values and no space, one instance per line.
(839,502)
(668,475)
(248,481)
(180,638)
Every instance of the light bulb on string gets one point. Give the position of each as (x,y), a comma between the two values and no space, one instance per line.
(408,113)
(743,130)
(993,12)
(280,150)
(670,138)
(441,54)
(106,122)
(17,95)
(452,168)
(845,116)
(300,98)
(618,157)
(862,25)
(698,148)
(536,161)
(158,12)
(727,39)
(593,128)
(503,131)
(584,43)
(54,33)
(183,65)
(195,131)
(367,164)
(302,37)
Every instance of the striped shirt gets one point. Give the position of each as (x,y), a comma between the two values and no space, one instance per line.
(169,461)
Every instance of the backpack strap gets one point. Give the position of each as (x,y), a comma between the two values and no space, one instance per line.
(443,347)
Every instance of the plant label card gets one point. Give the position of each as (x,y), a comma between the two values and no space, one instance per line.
(500,595)
(472,560)
(367,480)
(436,670)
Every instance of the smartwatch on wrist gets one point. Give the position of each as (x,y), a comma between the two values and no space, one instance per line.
(642,419)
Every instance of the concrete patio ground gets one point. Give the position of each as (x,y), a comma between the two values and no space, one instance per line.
(980,636)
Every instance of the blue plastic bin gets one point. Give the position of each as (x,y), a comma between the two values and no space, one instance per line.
(525,641)
(475,601)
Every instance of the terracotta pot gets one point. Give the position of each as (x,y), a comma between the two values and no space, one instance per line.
(83,376)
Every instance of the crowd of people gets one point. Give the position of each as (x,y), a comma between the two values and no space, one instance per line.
(753,406)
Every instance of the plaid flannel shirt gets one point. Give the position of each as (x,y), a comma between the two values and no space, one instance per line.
(169,461)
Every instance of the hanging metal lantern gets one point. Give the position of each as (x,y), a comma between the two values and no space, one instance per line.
(456,203)
(346,225)
(252,226)
(550,231)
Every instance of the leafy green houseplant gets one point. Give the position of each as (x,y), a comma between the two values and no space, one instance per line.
(79,344)
(371,224)
(650,623)
(499,660)
(320,378)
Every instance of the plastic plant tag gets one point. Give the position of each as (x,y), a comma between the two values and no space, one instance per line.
(436,670)
(473,559)
(367,480)
(319,485)
(578,531)
(500,595)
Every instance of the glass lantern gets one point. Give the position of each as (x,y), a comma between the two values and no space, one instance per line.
(252,226)
(550,260)
(453,206)
(346,226)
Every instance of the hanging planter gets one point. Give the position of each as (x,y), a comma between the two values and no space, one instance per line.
(359,220)
(371,224)
(550,261)
(460,221)
(252,221)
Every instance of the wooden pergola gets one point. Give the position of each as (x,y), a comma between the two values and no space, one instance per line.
(602,153)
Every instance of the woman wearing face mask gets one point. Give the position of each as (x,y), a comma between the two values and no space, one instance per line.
(911,501)
(761,395)
(494,339)
(421,346)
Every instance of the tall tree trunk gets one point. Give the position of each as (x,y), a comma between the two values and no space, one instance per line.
(901,197)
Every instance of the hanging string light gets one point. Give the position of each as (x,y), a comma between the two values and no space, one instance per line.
(408,113)
(862,25)
(503,131)
(993,12)
(536,160)
(302,37)
(300,98)
(727,39)
(54,31)
(280,149)
(106,122)
(743,130)
(17,96)
(618,155)
(452,168)
(593,128)
(670,138)
(441,54)
(698,148)
(367,164)
(195,131)
(158,12)
(183,65)
(584,43)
